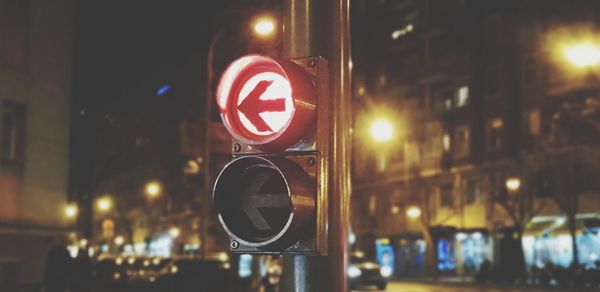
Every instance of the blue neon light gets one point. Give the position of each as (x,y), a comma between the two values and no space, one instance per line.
(163,89)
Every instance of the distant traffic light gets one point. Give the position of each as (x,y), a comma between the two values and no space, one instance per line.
(272,197)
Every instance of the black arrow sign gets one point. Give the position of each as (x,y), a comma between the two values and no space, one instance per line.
(253,199)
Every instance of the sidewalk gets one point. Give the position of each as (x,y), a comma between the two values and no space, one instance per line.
(469,282)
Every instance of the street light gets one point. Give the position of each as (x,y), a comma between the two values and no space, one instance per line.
(382,130)
(513,184)
(119,240)
(264,26)
(174,232)
(71,211)
(83,242)
(583,55)
(413,212)
(104,204)
(153,189)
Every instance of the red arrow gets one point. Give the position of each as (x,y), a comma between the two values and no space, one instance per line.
(252,105)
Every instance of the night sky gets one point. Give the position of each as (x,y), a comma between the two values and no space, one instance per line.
(121,43)
(124,51)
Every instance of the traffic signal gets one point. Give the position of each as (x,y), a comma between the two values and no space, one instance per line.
(272,197)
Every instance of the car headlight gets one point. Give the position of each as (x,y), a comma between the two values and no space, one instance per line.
(353,272)
(386,271)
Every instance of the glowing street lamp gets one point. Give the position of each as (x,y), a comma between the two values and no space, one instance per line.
(153,189)
(83,242)
(264,26)
(583,55)
(382,130)
(174,232)
(104,204)
(71,211)
(413,212)
(513,184)
(119,240)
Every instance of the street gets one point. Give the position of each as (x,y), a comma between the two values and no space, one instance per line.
(428,287)
(452,287)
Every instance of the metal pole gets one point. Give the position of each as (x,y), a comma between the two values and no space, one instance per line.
(303,30)
(313,28)
(339,199)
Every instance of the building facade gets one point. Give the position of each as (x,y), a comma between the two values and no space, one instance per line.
(486,122)
(35,83)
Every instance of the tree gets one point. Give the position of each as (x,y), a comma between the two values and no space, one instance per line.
(421,197)
(565,176)
(521,205)
(570,160)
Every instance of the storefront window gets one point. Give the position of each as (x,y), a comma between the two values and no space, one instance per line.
(471,251)
(446,259)
(411,257)
(385,256)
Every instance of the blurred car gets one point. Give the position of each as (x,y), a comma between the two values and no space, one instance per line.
(108,272)
(195,274)
(365,272)
(142,271)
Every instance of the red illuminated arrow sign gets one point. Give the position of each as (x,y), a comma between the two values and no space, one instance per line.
(252,106)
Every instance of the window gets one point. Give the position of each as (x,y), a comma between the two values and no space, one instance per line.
(14,34)
(461,141)
(442,99)
(544,183)
(492,81)
(397,33)
(462,96)
(12,154)
(12,132)
(473,193)
(535,123)
(412,153)
(372,205)
(530,73)
(446,142)
(495,127)
(433,146)
(446,196)
(382,80)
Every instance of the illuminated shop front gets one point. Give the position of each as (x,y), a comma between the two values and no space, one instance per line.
(410,257)
(385,256)
(473,248)
(458,252)
(553,244)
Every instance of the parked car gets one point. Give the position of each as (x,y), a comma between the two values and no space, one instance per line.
(365,272)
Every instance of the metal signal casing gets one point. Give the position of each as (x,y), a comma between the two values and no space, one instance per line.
(299,155)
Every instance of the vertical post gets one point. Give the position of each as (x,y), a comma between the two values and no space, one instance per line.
(300,39)
(339,199)
(313,28)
